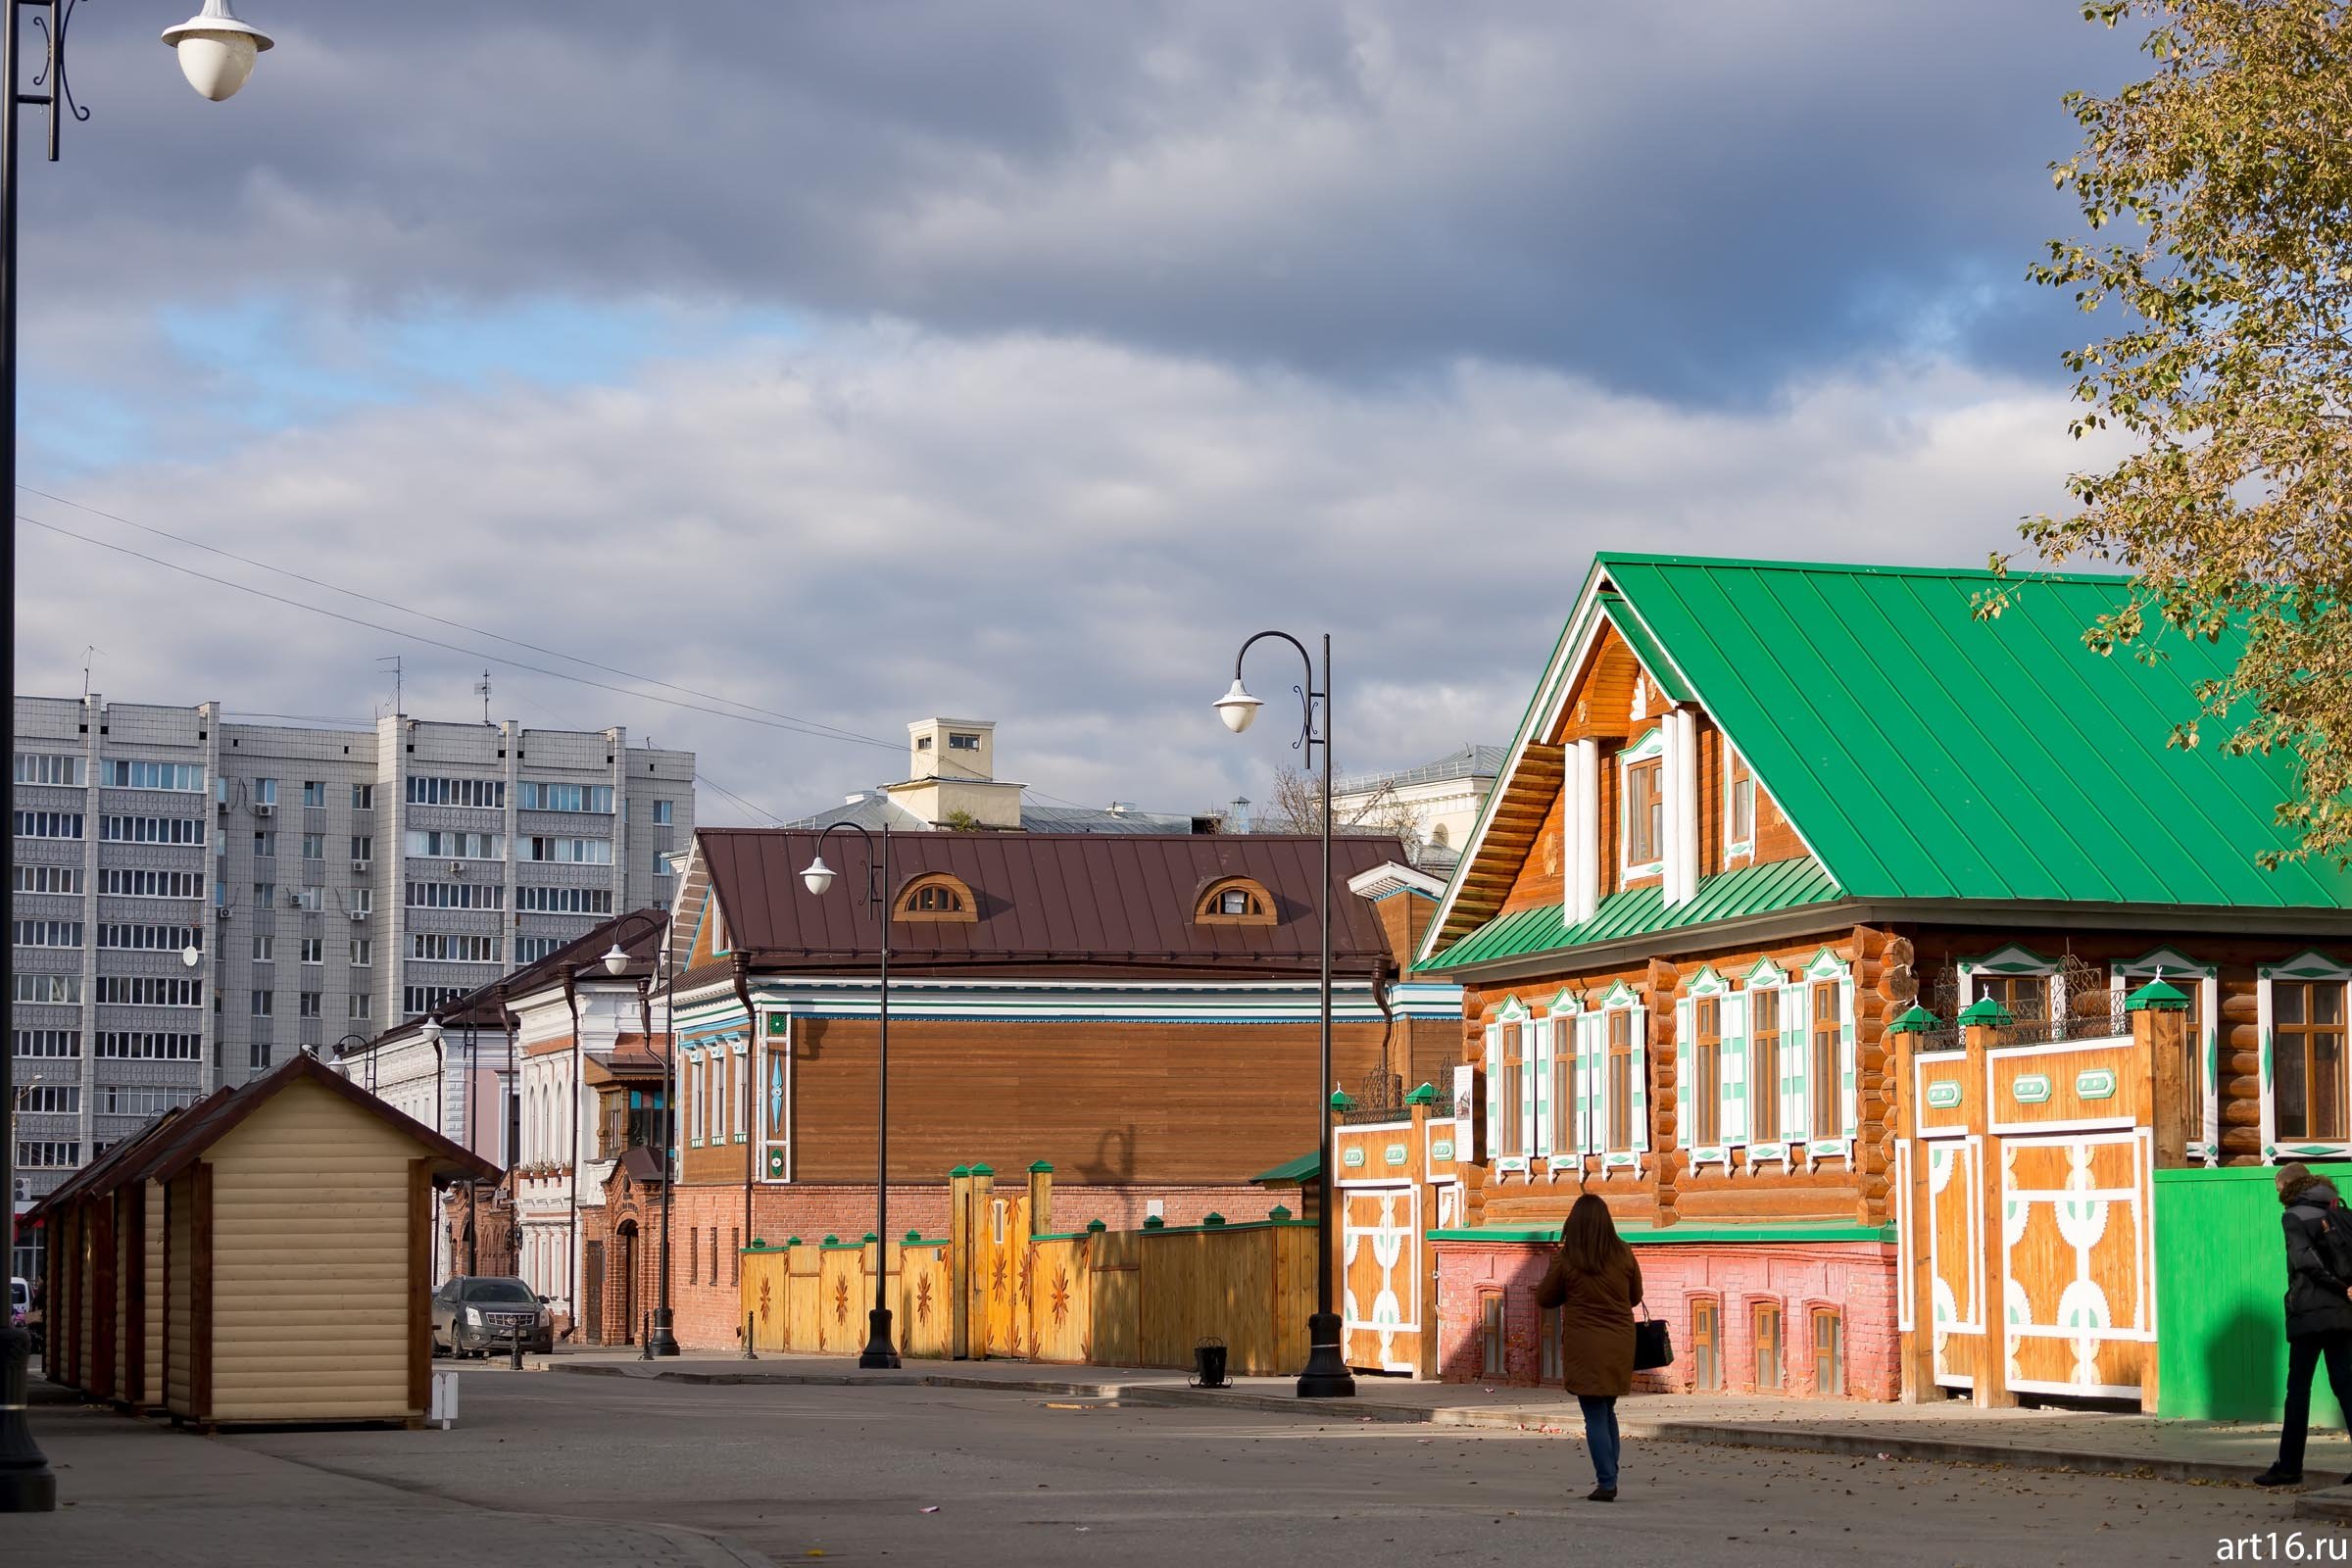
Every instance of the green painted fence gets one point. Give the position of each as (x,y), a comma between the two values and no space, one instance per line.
(2221,1278)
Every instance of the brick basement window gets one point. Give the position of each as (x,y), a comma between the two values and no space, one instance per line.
(1771,1365)
(1490,1333)
(1829,1351)
(694,1253)
(1706,1345)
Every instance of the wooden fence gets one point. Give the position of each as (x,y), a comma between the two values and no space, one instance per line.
(997,1287)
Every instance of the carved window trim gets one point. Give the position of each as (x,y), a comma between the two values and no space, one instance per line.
(1259,907)
(949,897)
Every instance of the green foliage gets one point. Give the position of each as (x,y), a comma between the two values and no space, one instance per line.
(960,821)
(2220,192)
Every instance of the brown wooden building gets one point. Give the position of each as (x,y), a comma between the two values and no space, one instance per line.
(1137,1012)
(1803,927)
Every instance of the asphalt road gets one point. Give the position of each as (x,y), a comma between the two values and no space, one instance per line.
(574,1468)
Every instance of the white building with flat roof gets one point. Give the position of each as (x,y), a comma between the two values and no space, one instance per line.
(195,897)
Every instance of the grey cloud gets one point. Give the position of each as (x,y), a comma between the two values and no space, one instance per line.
(1696,200)
(1068,536)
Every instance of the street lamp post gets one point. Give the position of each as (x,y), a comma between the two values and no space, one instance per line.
(880,1353)
(1326,1376)
(215,54)
(662,1339)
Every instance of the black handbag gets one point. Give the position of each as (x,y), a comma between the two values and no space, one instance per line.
(1654,1345)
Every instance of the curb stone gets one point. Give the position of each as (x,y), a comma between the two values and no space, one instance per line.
(2333,1503)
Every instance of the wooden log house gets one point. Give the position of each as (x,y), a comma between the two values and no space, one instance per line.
(1805,926)
(1136,1011)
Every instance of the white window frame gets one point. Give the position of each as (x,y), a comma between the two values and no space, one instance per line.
(1730,1103)
(1827,966)
(2174,968)
(1791,1089)
(1649,748)
(1625,998)
(2304,966)
(1512,1099)
(1734,762)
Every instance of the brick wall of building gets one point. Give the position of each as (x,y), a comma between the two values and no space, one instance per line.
(1856,1279)
(707,1308)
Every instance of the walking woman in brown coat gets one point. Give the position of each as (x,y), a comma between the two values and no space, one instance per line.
(1595,1284)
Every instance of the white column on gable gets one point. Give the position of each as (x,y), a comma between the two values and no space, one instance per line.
(1681,789)
(1581,819)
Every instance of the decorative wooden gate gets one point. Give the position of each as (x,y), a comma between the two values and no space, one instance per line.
(2027,1184)
(1003,1264)
(1398,1173)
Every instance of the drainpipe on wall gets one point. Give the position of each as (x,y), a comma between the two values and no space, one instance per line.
(751,1115)
(571,1265)
(510,1109)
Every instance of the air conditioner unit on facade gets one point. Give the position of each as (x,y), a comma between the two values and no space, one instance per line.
(293,900)
(263,809)
(361,865)
(359,914)
(456,868)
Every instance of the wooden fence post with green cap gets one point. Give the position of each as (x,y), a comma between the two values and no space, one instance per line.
(1990,1390)
(960,1262)
(1041,1198)
(1917,1353)
(2159,1013)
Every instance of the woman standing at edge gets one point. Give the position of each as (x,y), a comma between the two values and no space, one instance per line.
(1595,1284)
(2319,1309)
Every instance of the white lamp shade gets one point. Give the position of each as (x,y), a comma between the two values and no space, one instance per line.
(616,960)
(819,878)
(432,1031)
(1238,709)
(216,49)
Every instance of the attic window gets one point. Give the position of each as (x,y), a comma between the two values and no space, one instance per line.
(962,742)
(938,896)
(922,743)
(1234,901)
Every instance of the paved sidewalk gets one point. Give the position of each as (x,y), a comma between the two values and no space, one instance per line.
(135,1491)
(1949,1431)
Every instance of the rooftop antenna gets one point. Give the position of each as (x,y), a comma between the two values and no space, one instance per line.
(481,689)
(88,656)
(399,705)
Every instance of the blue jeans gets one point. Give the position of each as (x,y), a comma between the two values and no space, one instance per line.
(1601,1436)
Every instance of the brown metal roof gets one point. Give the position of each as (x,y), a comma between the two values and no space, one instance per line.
(207,1123)
(106,1173)
(640,936)
(1049,899)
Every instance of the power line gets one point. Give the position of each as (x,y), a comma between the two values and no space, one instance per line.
(778,721)
(752,807)
(815,725)
(798,727)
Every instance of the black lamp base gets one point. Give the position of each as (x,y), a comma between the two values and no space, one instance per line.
(878,1355)
(662,1342)
(1326,1376)
(26,1483)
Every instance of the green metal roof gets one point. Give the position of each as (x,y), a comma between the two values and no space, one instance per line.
(1924,753)
(1638,911)
(1304,1168)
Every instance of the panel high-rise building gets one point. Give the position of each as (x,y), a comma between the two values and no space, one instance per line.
(195,897)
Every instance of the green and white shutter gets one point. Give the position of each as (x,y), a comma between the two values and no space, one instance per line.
(1493,1150)
(1539,1057)
(1641,1071)
(1735,1069)
(1686,1047)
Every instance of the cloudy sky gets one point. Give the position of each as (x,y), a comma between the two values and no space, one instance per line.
(841,364)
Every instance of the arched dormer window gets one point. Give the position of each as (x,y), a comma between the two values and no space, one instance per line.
(937,895)
(1234,901)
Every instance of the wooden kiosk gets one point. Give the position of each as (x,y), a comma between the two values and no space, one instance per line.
(295,1271)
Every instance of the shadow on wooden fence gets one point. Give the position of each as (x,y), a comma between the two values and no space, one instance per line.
(997,1287)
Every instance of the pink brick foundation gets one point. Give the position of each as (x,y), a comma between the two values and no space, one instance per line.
(1854,1279)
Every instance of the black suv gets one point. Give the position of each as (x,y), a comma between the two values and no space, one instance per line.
(478,1315)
